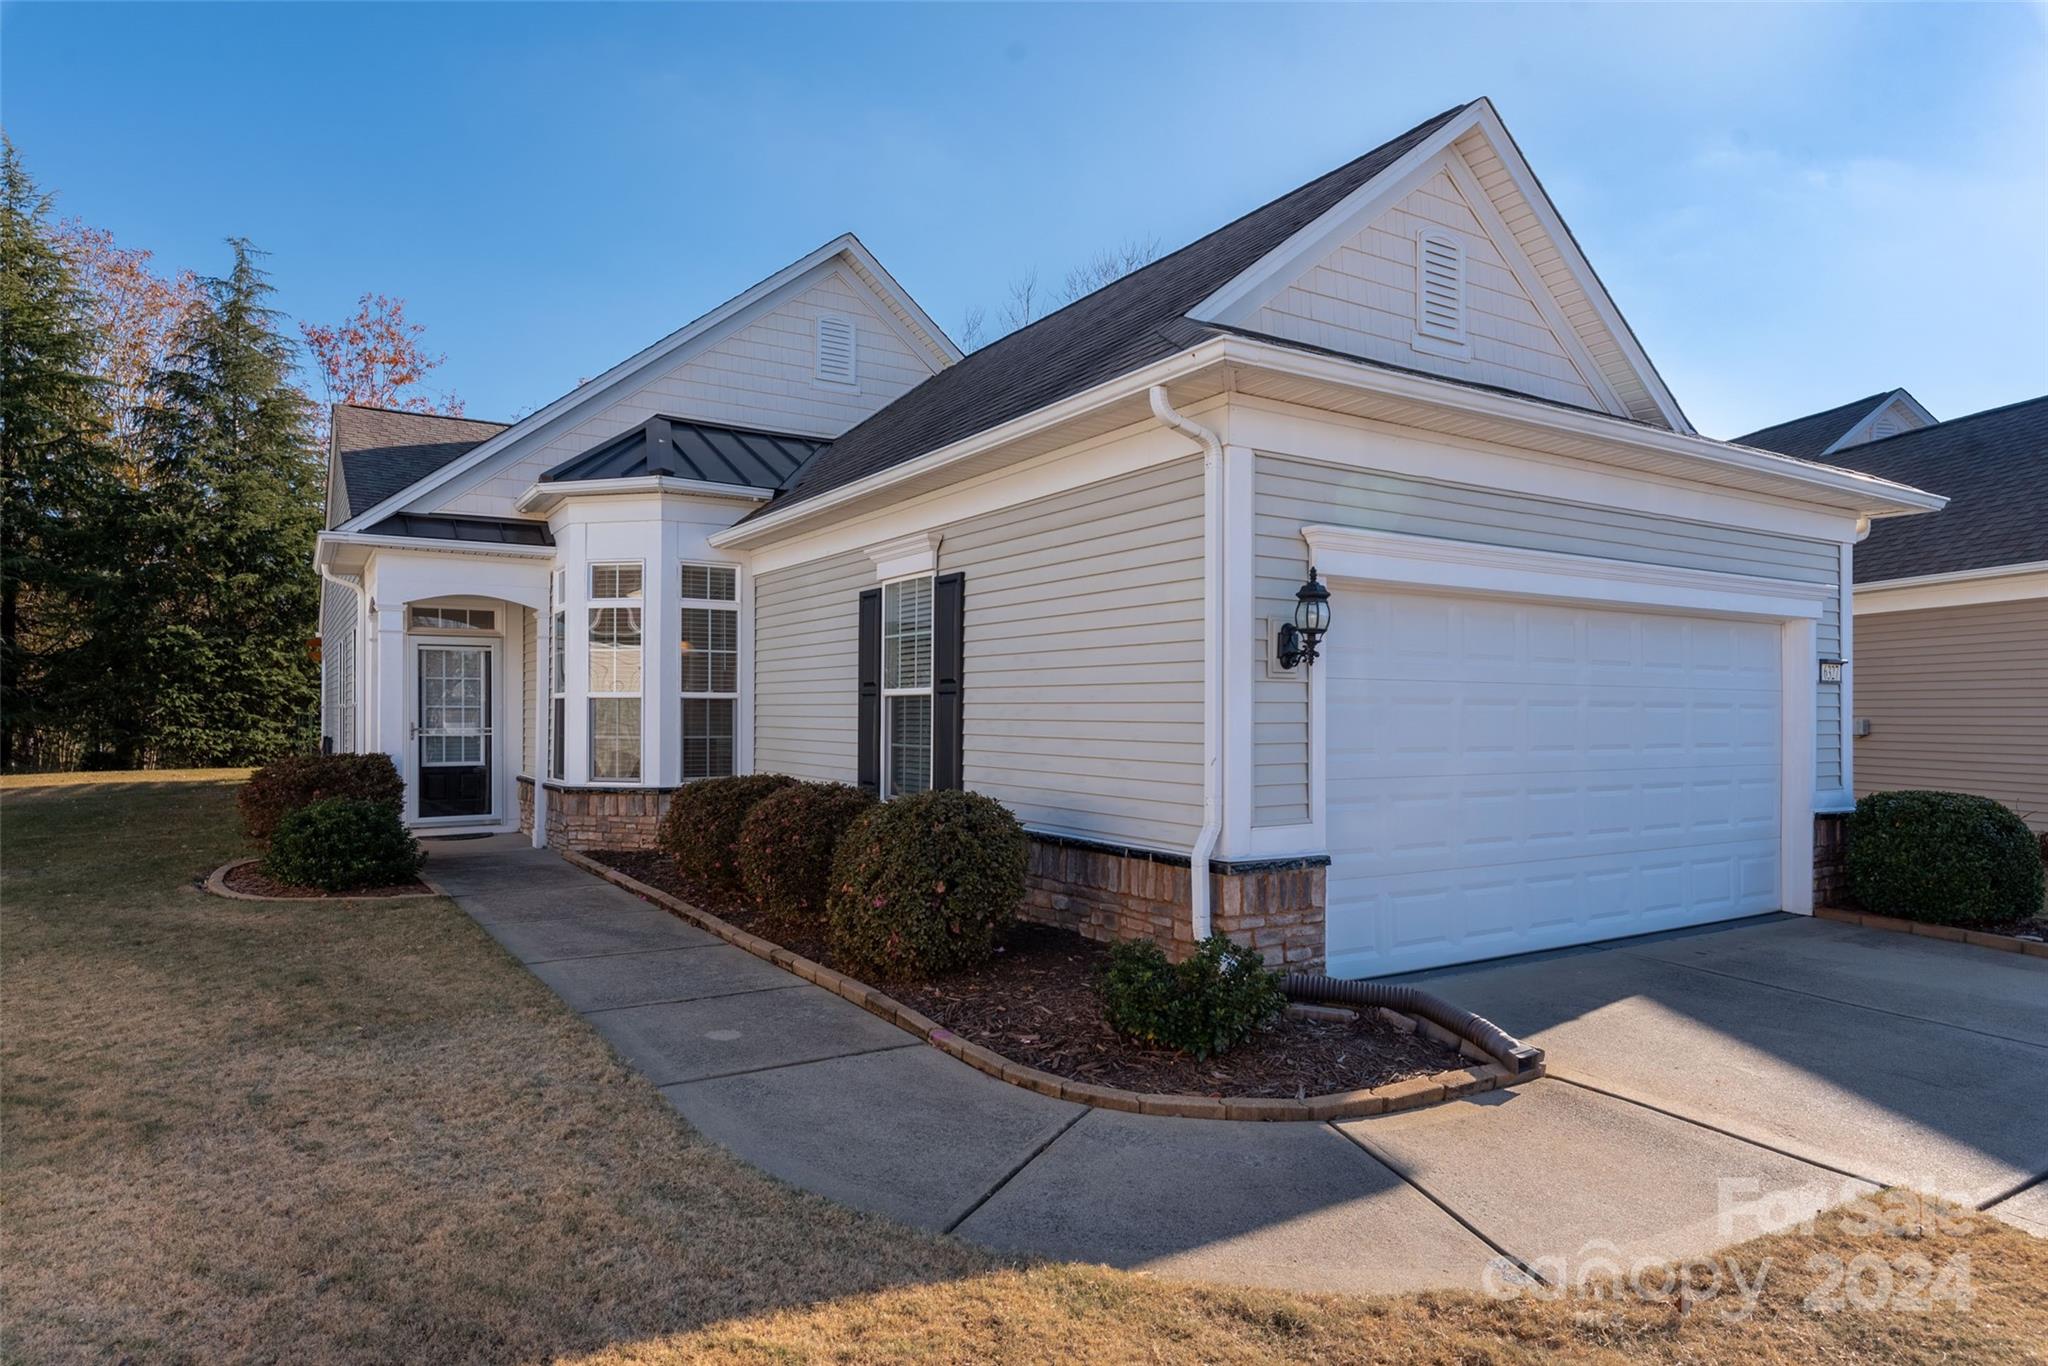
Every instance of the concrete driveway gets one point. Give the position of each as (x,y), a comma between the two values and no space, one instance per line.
(1706,1101)
(1888,1057)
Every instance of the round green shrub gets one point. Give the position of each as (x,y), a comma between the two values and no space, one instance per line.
(787,842)
(284,785)
(701,829)
(1208,1003)
(926,884)
(343,844)
(1943,857)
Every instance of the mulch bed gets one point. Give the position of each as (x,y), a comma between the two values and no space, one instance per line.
(1036,1004)
(251,879)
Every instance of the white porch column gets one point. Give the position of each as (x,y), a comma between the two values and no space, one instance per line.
(542,702)
(388,721)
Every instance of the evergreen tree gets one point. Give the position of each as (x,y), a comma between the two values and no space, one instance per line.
(221,564)
(55,463)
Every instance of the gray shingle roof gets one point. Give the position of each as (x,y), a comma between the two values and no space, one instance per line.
(1806,437)
(692,450)
(1993,466)
(1119,328)
(383,451)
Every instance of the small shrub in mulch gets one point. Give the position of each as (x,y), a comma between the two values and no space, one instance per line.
(1208,1003)
(701,829)
(298,780)
(1946,858)
(787,842)
(341,844)
(926,884)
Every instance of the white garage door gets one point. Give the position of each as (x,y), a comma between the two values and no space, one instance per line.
(1507,776)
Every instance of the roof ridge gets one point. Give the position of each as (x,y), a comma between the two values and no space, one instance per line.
(414,412)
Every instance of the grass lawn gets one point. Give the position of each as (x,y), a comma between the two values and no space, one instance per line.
(351,1132)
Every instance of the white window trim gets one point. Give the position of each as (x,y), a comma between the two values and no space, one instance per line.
(884,747)
(1346,555)
(592,604)
(1431,338)
(818,374)
(732,605)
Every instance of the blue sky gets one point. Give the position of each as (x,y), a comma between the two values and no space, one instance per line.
(1794,205)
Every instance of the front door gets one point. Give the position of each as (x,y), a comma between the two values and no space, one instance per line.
(454,730)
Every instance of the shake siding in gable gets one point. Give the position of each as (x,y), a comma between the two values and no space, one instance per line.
(1083,678)
(1292,493)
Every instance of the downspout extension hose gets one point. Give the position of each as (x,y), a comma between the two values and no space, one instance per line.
(1480,1032)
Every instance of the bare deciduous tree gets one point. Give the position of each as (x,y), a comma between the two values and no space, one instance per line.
(1027,301)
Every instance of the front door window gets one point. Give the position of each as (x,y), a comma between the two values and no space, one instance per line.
(455,730)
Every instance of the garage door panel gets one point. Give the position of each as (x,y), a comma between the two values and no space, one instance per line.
(1508,776)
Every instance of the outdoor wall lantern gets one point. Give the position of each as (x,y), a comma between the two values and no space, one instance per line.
(1300,637)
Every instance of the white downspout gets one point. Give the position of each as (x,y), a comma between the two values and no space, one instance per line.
(1212,655)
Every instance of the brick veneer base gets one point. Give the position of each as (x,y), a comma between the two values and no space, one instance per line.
(1831,860)
(1106,893)
(597,817)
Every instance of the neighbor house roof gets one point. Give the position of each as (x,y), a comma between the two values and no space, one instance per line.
(1808,437)
(1124,325)
(1994,468)
(682,449)
(378,452)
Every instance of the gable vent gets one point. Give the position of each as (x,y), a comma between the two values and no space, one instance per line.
(1439,294)
(835,350)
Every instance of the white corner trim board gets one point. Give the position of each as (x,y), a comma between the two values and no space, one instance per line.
(1429,562)
(917,553)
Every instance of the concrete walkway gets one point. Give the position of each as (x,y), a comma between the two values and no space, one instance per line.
(818,1092)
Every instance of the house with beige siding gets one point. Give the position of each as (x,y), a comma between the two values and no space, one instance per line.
(1579,673)
(1950,626)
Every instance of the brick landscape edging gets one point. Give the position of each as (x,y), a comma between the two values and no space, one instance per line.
(1486,1074)
(1955,934)
(217,883)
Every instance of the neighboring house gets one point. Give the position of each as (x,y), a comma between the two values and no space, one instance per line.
(1570,689)
(1819,435)
(1950,642)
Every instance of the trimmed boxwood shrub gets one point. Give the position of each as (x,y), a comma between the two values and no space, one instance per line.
(1943,857)
(343,844)
(297,780)
(1208,1003)
(926,884)
(787,842)
(701,828)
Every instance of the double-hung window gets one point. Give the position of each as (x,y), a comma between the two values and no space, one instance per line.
(615,659)
(558,680)
(711,668)
(907,686)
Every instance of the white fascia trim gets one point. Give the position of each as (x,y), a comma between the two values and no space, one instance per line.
(1318,238)
(329,542)
(1878,496)
(1430,562)
(1960,588)
(917,553)
(603,386)
(541,497)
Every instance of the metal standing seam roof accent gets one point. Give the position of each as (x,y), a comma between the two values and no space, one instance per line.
(681,449)
(478,530)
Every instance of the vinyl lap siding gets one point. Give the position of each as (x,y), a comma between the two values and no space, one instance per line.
(1956,701)
(1083,681)
(338,647)
(1290,494)
(805,671)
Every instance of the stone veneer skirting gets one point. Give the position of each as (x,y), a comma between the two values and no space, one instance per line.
(597,817)
(1108,892)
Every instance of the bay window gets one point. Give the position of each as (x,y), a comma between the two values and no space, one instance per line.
(616,653)
(711,669)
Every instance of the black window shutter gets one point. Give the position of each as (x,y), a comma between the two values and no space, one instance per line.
(949,619)
(870,722)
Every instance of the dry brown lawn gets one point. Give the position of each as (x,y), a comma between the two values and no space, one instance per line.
(360,1133)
